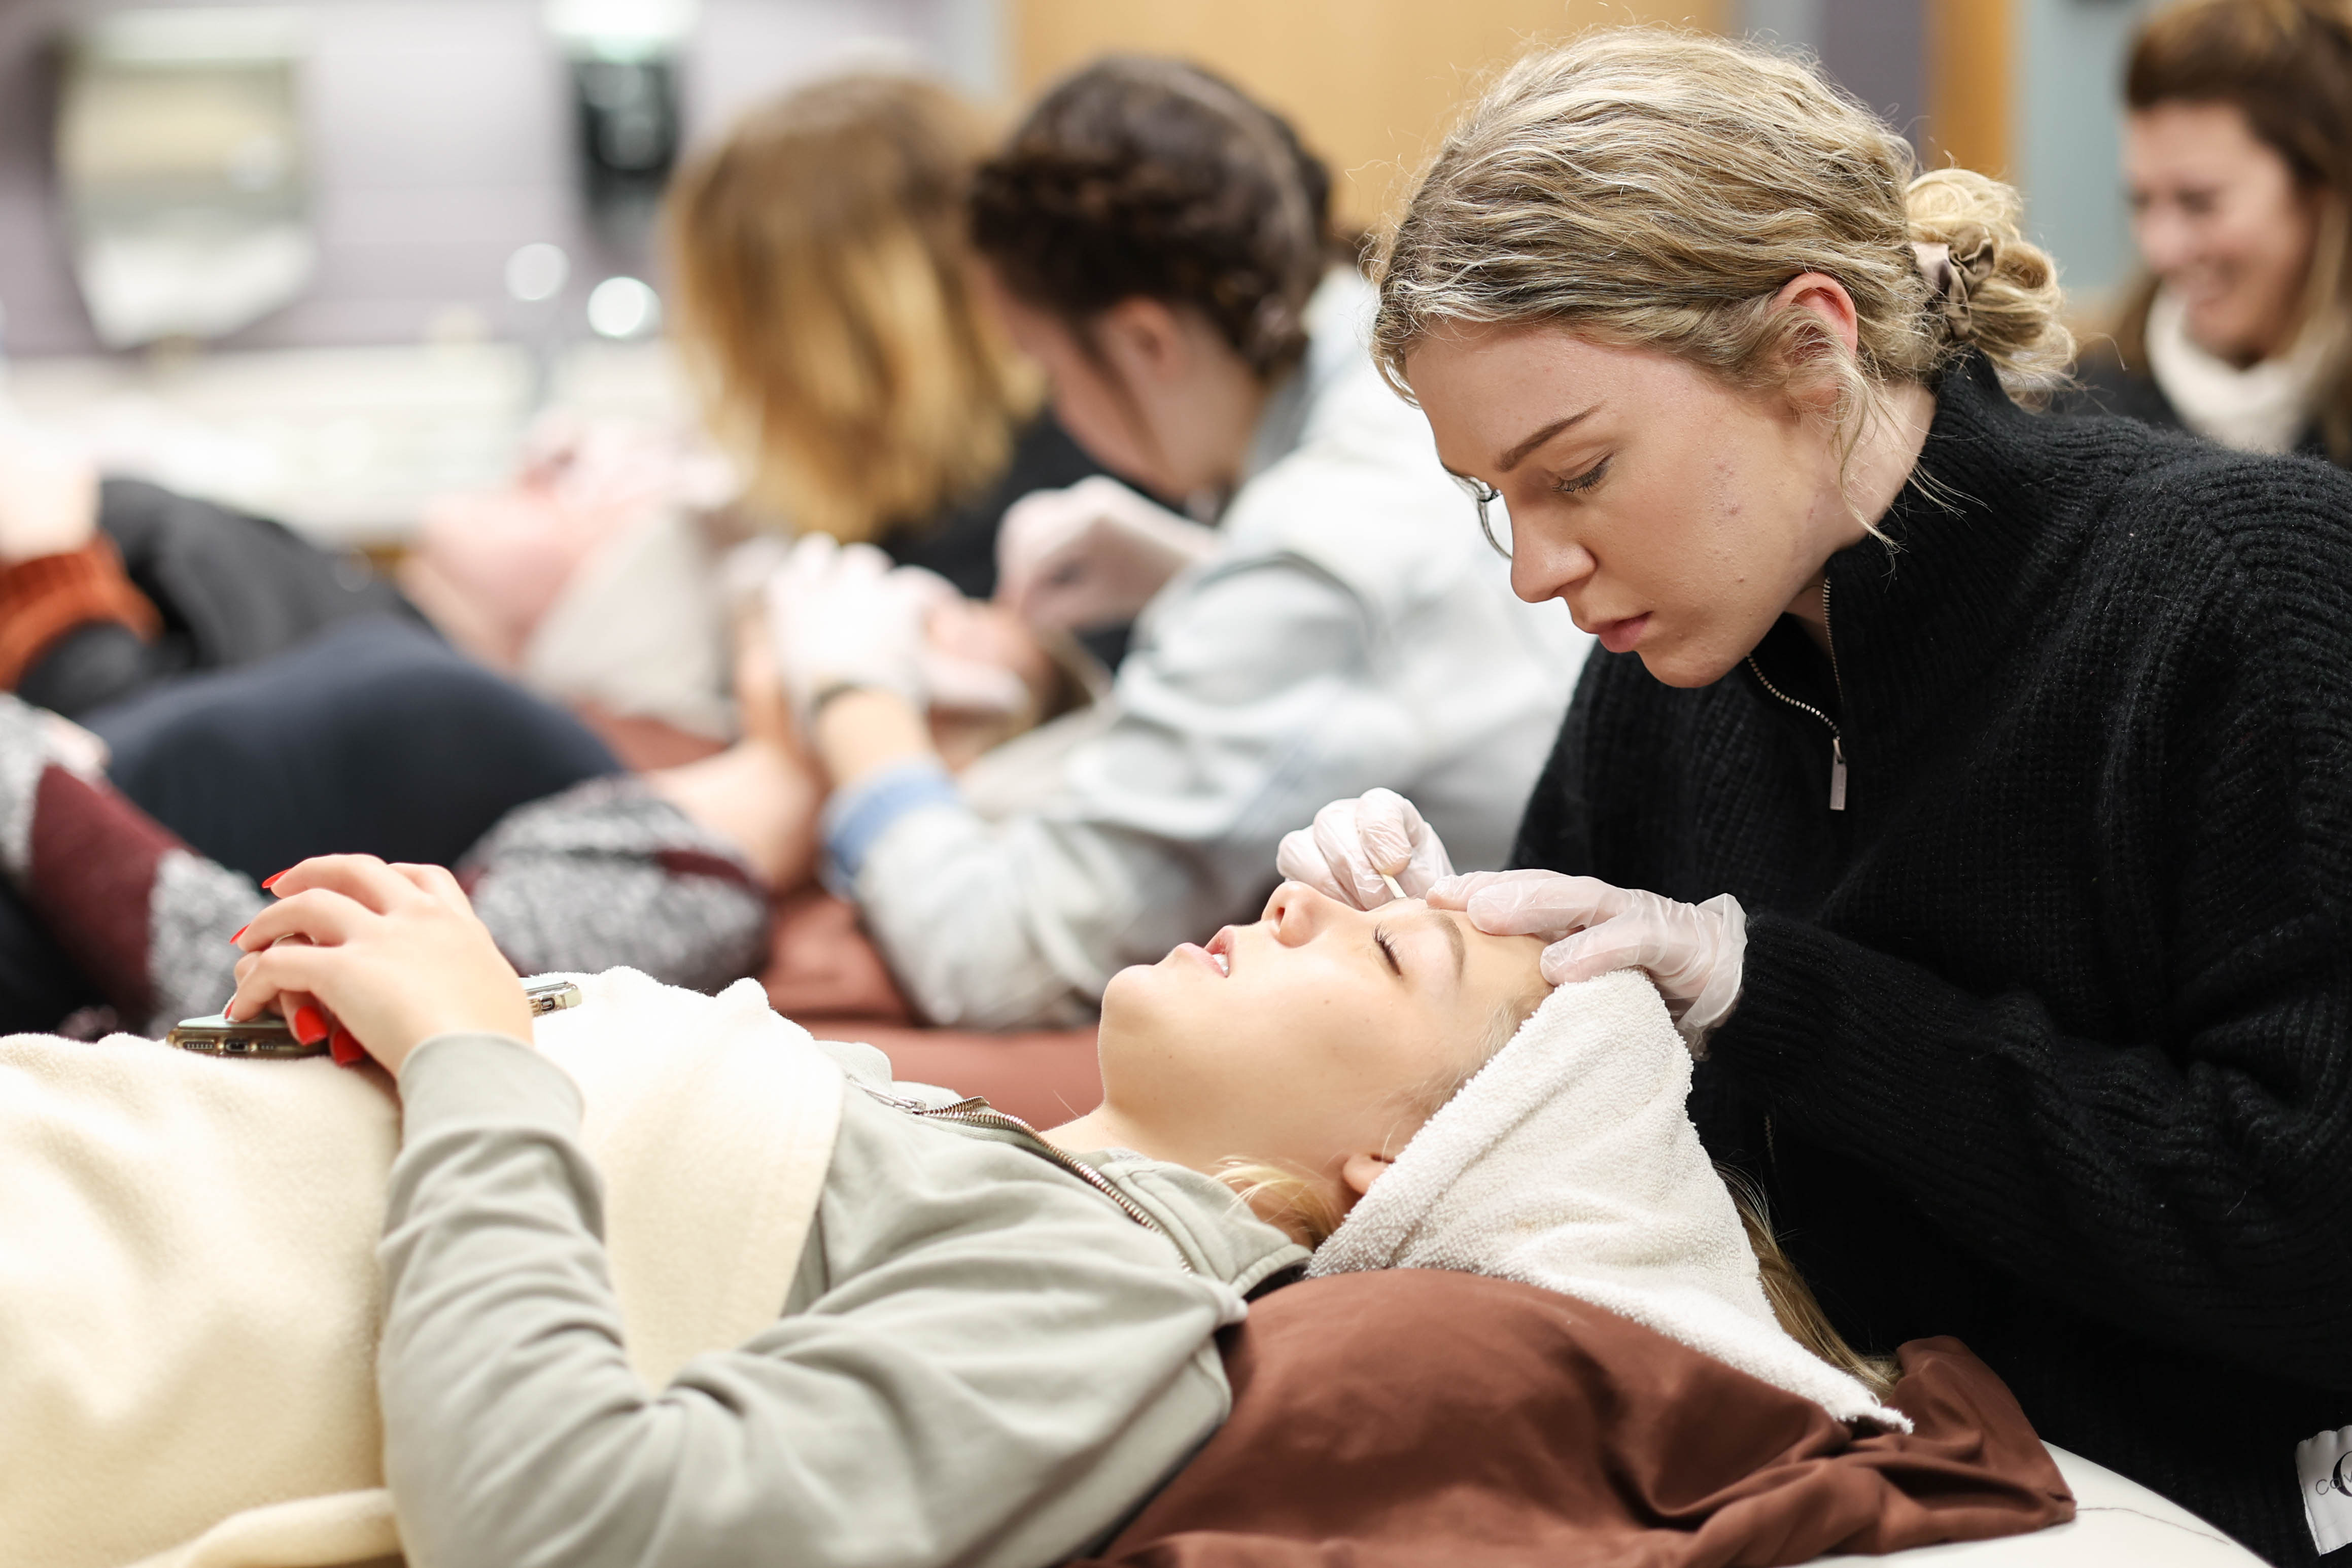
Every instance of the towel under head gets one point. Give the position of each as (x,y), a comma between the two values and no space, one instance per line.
(1569,1162)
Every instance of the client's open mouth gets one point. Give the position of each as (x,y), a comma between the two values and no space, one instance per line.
(1220,950)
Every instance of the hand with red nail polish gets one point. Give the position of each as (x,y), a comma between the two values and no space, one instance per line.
(384,956)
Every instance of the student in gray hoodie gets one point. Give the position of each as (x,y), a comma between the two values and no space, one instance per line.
(998,1344)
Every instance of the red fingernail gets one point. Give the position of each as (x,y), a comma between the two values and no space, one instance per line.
(268,883)
(310,1025)
(346,1049)
(240,931)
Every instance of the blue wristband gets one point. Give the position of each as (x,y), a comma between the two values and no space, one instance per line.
(859,816)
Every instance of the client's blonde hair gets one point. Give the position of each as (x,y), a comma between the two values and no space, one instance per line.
(1308,1209)
(1656,189)
(1304,1207)
(826,304)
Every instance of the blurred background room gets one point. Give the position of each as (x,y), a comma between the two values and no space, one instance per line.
(329,261)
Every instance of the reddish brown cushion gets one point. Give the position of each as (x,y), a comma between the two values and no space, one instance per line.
(643,743)
(824,974)
(1046,1077)
(1420,1419)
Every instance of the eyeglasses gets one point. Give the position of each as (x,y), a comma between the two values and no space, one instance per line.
(1483,495)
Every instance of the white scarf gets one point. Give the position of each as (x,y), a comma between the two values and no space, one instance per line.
(2265,407)
(1569,1162)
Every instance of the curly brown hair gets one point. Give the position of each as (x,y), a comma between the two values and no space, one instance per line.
(1148,178)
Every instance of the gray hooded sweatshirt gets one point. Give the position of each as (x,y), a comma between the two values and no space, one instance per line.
(983,1360)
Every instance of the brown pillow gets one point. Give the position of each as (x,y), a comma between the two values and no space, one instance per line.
(1425,1418)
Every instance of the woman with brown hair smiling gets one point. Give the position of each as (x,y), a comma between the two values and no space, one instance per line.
(2238,150)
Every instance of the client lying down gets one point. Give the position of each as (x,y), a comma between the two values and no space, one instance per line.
(995,1345)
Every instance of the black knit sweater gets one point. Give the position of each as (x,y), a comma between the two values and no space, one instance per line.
(2046,1039)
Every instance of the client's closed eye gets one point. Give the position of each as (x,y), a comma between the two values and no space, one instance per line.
(1388,950)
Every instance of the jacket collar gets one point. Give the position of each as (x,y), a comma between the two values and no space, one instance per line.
(1970,551)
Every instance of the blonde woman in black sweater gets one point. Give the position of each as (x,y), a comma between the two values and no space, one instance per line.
(1974,782)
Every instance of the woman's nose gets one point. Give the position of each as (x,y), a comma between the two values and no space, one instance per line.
(1546,567)
(1297,912)
(2166,239)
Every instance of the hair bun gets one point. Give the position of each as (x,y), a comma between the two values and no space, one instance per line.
(1987,285)
(1974,251)
(1953,270)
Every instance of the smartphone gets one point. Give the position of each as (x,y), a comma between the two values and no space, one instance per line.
(269,1035)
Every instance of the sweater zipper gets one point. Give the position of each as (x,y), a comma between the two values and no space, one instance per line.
(975,1112)
(1837,739)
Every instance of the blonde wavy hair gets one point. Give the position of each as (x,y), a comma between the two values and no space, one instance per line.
(824,302)
(1652,188)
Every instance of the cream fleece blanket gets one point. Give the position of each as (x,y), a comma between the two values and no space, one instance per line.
(189,1298)
(1571,1162)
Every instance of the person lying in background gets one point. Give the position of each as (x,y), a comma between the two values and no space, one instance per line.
(669,871)
(898,413)
(2238,153)
(264,701)
(1161,245)
(996,1343)
(109,586)
(207,650)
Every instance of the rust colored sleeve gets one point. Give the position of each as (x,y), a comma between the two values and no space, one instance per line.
(43,599)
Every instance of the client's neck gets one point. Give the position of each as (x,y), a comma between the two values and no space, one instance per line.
(1104,1128)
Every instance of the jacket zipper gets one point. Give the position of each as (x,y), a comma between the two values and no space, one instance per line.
(975,1112)
(1837,739)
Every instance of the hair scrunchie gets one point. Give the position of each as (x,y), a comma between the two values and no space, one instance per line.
(1953,269)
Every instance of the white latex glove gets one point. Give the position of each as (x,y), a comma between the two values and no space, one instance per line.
(1091,555)
(1694,951)
(1354,842)
(840,616)
(951,679)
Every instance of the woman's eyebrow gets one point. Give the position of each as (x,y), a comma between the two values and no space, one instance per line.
(1454,935)
(1511,459)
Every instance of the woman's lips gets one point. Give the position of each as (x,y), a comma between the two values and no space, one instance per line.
(1221,950)
(1215,961)
(1620,636)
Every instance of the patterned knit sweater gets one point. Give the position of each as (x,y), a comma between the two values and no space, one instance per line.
(2046,1037)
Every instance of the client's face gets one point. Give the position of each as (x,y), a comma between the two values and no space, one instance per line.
(1319,1034)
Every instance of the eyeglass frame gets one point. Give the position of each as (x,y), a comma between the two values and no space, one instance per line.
(1483,495)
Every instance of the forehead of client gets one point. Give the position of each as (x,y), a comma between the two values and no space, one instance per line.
(1317,1032)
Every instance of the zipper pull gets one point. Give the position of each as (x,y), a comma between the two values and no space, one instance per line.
(1837,773)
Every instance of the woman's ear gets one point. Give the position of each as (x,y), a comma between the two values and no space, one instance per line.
(1362,1170)
(1826,298)
(1144,340)
(1823,298)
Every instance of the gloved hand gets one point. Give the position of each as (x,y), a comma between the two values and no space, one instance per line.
(840,616)
(1694,951)
(1091,555)
(1354,841)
